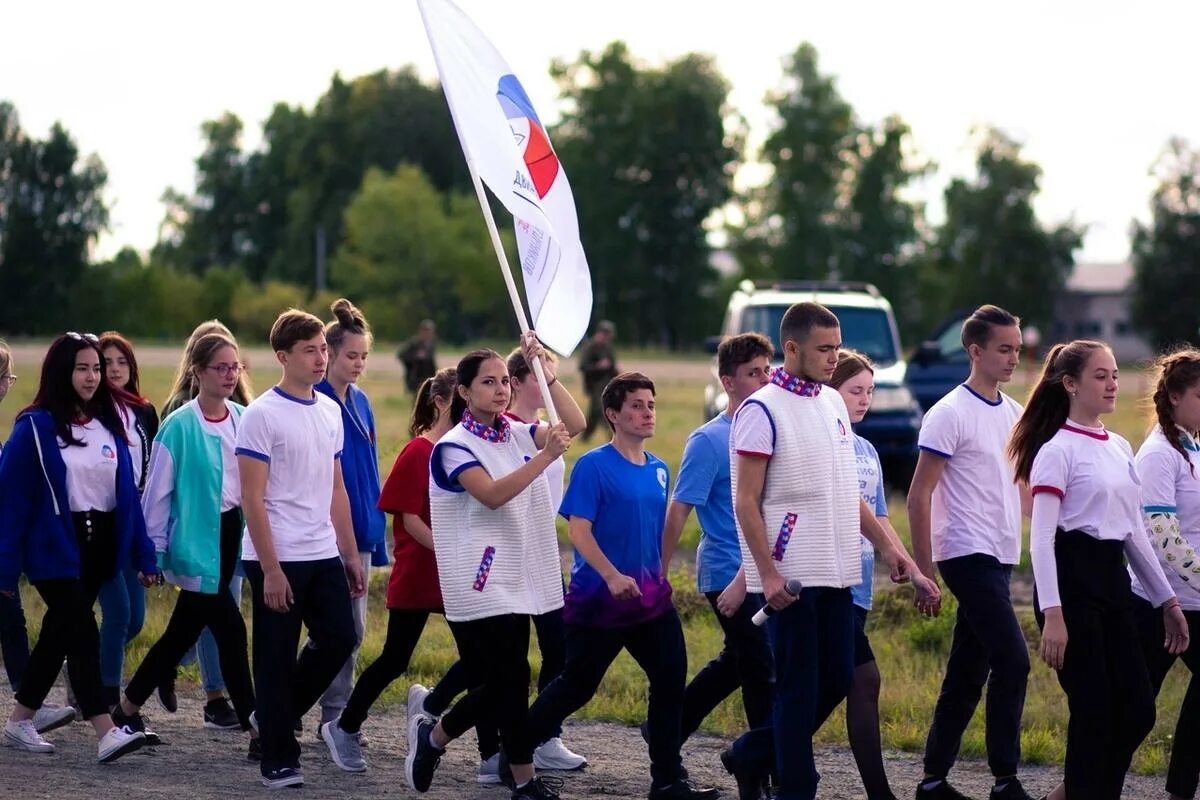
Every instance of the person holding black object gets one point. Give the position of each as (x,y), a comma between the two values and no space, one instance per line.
(795,480)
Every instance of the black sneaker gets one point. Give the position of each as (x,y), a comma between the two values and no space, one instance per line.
(942,791)
(167,696)
(135,723)
(254,753)
(683,790)
(220,716)
(749,786)
(542,787)
(422,761)
(1013,790)
(283,778)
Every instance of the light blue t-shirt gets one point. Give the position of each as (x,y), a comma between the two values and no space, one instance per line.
(871,488)
(627,505)
(704,483)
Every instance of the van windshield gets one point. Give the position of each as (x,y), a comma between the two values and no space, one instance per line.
(867,330)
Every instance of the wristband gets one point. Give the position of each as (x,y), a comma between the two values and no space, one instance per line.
(551,383)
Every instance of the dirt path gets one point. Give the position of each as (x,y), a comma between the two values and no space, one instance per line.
(204,764)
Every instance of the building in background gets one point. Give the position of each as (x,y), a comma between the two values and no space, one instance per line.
(1096,304)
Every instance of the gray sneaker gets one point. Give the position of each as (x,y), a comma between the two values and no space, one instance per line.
(343,748)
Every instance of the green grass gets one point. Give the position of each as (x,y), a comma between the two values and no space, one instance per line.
(911,651)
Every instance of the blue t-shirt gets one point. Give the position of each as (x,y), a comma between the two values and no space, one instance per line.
(871,488)
(704,483)
(627,505)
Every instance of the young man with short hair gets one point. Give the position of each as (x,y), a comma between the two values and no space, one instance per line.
(299,552)
(618,597)
(799,516)
(964,509)
(744,367)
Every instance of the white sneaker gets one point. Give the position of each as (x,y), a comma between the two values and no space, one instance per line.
(23,734)
(553,754)
(51,716)
(119,742)
(489,770)
(416,701)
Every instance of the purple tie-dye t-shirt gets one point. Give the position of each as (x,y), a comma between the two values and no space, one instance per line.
(626,504)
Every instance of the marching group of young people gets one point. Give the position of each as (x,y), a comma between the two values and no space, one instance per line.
(99,499)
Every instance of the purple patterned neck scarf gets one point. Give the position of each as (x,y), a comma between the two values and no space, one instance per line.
(488,433)
(794,383)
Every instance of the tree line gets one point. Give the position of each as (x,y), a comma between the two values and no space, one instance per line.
(366,194)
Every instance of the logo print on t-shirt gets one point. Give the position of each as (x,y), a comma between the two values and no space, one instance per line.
(841,427)
(108,452)
(662,479)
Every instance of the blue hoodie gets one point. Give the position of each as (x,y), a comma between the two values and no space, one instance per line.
(360,471)
(37,531)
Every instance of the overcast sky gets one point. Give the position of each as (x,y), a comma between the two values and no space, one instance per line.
(1094,94)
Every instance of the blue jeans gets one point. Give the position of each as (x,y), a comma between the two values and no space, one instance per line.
(813,643)
(122,613)
(988,648)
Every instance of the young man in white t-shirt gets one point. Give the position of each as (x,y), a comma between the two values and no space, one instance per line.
(964,510)
(799,514)
(299,553)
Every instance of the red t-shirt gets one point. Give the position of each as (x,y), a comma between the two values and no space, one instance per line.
(414,581)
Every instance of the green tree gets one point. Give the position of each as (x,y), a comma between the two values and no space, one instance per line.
(51,211)
(992,248)
(411,252)
(1166,252)
(650,152)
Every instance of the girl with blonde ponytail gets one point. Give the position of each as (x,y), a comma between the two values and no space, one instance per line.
(1166,466)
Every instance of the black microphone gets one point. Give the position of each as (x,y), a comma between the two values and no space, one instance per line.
(792,587)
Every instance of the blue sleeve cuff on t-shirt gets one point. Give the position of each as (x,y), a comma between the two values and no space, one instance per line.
(246,451)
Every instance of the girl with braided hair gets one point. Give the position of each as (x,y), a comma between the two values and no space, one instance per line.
(1166,466)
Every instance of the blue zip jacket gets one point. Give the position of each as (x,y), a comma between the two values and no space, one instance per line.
(360,471)
(37,532)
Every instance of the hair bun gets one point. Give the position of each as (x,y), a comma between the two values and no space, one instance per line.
(348,316)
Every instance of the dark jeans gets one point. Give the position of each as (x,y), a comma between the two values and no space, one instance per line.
(988,647)
(744,662)
(1104,674)
(193,612)
(14,642)
(69,626)
(1184,772)
(813,643)
(404,631)
(494,654)
(658,648)
(288,686)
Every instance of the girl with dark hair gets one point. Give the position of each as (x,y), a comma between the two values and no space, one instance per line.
(498,563)
(122,599)
(349,340)
(413,591)
(193,513)
(69,518)
(1166,465)
(1087,518)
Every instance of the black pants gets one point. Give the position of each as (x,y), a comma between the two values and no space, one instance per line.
(744,662)
(193,612)
(494,654)
(658,648)
(1104,674)
(69,627)
(988,648)
(404,631)
(1183,774)
(287,686)
(14,642)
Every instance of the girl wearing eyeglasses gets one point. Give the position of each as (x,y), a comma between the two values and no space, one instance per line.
(122,599)
(69,519)
(193,513)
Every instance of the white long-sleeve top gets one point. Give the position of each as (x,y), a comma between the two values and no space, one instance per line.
(1084,479)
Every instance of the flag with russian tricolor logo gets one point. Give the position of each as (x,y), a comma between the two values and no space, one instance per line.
(506,144)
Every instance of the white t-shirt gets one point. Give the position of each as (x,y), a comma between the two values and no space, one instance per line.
(134,437)
(92,468)
(1169,484)
(976,505)
(1091,471)
(456,459)
(227,429)
(299,439)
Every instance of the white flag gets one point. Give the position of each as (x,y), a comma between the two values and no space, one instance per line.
(506,143)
